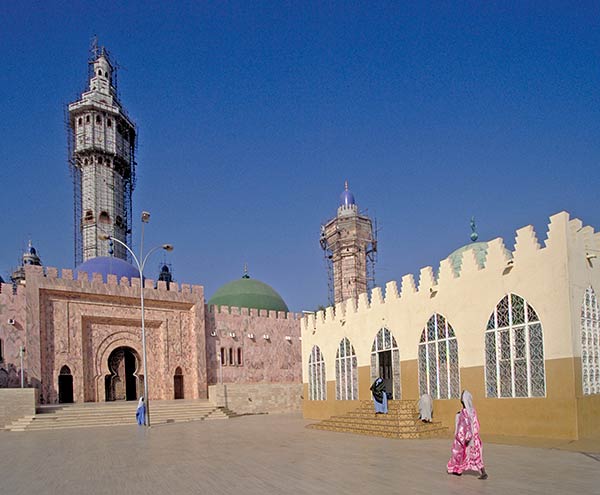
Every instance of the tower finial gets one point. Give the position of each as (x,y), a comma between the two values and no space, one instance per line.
(346,185)
(474,234)
(246,271)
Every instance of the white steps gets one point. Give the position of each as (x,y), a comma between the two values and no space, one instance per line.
(116,413)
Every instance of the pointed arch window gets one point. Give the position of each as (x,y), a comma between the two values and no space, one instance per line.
(346,372)
(590,343)
(439,374)
(514,351)
(317,389)
(385,362)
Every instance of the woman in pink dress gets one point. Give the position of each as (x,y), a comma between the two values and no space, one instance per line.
(467,449)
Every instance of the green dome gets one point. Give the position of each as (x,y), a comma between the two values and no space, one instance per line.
(480,250)
(248,293)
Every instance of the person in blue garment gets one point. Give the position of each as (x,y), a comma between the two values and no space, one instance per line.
(379,396)
(140,413)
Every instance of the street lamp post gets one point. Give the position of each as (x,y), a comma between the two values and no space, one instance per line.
(140,267)
(21,354)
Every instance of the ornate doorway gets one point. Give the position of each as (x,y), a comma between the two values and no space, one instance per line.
(123,382)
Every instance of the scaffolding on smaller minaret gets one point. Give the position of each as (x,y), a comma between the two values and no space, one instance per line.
(349,244)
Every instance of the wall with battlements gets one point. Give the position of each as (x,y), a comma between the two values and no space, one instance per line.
(552,278)
(78,321)
(258,346)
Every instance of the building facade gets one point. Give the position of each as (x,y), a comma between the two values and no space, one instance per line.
(520,330)
(82,339)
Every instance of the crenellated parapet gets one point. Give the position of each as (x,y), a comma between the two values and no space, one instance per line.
(566,238)
(252,312)
(67,280)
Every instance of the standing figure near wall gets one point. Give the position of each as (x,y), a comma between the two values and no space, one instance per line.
(426,408)
(467,450)
(379,396)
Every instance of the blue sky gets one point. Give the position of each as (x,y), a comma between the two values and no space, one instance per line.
(252,114)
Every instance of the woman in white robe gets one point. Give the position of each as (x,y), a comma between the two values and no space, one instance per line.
(426,408)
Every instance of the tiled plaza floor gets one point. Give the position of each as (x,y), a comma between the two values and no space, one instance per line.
(270,455)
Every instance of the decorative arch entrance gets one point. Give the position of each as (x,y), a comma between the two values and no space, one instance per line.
(65,385)
(123,382)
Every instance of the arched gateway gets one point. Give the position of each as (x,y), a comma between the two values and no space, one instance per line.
(124,382)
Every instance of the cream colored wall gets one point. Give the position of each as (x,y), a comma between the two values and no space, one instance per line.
(552,278)
(537,274)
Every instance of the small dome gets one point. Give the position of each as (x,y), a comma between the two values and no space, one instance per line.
(346,198)
(248,293)
(108,265)
(480,250)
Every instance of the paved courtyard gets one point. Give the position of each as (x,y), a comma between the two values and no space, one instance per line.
(269,455)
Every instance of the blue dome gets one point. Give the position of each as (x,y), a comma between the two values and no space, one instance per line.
(346,198)
(108,265)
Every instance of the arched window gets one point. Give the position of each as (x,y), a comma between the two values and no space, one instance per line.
(104,217)
(109,123)
(1,351)
(98,119)
(231,361)
(80,121)
(239,356)
(590,343)
(346,372)
(89,216)
(223,363)
(438,360)
(87,119)
(317,389)
(514,351)
(385,362)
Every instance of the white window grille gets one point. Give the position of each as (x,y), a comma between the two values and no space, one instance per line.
(385,341)
(514,351)
(439,374)
(590,343)
(346,372)
(316,375)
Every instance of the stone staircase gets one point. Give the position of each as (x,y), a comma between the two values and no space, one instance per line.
(93,414)
(402,421)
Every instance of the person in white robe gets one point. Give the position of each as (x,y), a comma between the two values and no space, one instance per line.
(426,408)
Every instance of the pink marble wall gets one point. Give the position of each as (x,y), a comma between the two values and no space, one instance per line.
(277,360)
(78,323)
(12,306)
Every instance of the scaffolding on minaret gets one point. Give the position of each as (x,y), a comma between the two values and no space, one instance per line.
(101,148)
(349,244)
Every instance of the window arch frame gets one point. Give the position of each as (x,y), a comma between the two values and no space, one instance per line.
(442,344)
(317,383)
(501,337)
(346,371)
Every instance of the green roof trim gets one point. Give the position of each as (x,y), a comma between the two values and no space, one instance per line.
(248,293)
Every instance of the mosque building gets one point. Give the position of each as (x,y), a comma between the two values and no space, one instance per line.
(519,329)
(79,331)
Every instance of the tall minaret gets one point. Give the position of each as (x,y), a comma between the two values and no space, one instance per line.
(102,142)
(350,246)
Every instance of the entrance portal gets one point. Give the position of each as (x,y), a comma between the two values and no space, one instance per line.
(65,386)
(385,362)
(122,383)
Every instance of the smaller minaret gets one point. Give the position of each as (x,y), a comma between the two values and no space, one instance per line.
(30,257)
(350,246)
